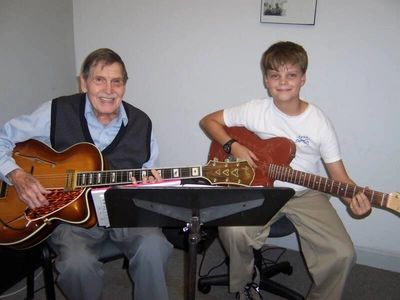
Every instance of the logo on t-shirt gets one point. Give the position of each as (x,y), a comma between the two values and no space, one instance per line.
(301,139)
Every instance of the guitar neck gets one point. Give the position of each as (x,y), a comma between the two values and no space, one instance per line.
(116,177)
(325,185)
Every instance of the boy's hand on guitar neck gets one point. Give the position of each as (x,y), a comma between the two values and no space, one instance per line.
(243,153)
(28,188)
(359,205)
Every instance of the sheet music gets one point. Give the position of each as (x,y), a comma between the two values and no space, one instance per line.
(100,207)
(100,202)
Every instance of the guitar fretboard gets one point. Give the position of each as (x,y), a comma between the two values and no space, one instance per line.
(325,185)
(99,178)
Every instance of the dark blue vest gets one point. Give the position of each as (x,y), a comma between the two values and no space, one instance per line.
(129,150)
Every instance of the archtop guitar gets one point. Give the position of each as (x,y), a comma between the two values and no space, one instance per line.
(70,175)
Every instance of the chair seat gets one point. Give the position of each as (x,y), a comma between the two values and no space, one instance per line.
(110,252)
(282,227)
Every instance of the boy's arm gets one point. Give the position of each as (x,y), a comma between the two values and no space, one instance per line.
(214,126)
(359,204)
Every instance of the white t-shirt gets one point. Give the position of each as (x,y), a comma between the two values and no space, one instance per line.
(312,132)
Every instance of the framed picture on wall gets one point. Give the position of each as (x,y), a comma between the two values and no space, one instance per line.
(288,11)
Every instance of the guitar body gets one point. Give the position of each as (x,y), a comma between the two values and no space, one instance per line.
(278,150)
(22,227)
(70,174)
(275,155)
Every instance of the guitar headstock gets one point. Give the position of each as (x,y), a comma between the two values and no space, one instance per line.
(229,173)
(393,203)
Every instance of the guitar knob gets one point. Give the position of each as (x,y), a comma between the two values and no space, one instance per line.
(230,158)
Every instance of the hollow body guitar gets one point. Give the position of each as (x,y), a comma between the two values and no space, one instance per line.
(275,155)
(70,175)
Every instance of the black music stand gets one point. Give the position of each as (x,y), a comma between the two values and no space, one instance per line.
(192,207)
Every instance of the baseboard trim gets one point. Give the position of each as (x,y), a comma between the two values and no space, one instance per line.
(365,256)
(378,259)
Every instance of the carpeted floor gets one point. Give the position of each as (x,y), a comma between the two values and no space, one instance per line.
(365,283)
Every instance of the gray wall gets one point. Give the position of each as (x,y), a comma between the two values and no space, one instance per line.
(188,58)
(36,54)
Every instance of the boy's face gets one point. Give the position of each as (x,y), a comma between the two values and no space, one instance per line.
(285,83)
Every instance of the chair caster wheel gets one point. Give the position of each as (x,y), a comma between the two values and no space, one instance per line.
(204,288)
(290,271)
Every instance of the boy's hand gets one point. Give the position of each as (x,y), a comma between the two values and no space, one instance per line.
(360,205)
(241,152)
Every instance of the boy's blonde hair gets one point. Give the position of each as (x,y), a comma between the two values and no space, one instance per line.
(283,53)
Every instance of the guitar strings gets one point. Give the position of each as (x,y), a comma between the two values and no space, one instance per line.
(283,172)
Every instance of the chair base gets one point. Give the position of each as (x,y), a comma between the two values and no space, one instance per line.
(204,284)
(279,290)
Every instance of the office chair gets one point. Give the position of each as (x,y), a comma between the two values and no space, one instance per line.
(280,228)
(21,264)
(109,253)
(45,260)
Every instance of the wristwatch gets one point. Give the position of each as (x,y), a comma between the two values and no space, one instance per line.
(228,146)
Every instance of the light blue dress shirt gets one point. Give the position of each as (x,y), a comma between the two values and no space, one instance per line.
(37,126)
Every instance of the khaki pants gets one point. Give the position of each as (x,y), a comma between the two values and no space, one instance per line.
(326,246)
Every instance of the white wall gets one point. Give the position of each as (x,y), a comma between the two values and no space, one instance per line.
(36,54)
(188,58)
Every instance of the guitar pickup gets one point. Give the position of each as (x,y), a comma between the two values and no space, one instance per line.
(70,180)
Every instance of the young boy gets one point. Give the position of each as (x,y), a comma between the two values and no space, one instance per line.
(325,244)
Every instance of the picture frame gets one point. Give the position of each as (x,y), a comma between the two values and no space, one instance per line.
(288,11)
